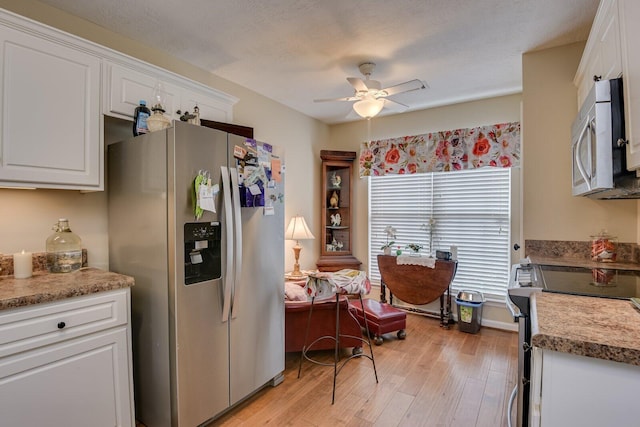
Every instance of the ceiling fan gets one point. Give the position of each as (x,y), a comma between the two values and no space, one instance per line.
(369,95)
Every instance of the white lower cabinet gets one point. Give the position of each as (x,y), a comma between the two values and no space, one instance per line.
(572,390)
(82,377)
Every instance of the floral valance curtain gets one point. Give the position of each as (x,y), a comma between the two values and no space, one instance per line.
(493,145)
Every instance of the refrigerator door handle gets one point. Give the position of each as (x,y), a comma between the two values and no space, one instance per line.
(237,220)
(229,274)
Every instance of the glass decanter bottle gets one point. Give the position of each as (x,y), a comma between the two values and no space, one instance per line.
(64,249)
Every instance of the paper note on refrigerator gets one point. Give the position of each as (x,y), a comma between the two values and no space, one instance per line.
(255,190)
(206,199)
(276,166)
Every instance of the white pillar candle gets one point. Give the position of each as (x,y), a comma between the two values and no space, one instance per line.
(22,265)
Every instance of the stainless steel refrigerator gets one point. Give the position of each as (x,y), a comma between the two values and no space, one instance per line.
(208,300)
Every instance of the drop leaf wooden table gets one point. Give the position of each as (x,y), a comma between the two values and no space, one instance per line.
(418,284)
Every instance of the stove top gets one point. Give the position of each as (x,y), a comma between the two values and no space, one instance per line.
(596,282)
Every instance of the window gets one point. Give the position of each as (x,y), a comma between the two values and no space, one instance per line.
(471,209)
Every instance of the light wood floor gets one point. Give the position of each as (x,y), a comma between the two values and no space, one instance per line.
(435,377)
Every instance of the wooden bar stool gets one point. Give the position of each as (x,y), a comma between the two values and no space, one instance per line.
(343,282)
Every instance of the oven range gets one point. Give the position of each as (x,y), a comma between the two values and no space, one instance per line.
(527,278)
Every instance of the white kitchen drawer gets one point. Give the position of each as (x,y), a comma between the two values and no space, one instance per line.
(29,327)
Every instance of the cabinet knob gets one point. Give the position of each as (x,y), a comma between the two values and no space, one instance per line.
(61,325)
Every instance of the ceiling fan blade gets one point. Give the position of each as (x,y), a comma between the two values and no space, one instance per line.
(406,87)
(394,105)
(358,84)
(347,98)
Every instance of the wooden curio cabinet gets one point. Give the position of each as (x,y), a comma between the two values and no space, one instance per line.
(337,233)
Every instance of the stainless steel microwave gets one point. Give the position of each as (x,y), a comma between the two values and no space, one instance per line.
(598,144)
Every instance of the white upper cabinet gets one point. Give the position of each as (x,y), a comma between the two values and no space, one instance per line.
(602,54)
(211,107)
(126,87)
(126,83)
(629,11)
(611,52)
(54,88)
(51,135)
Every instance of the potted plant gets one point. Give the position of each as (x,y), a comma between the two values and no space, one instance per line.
(386,248)
(414,248)
(391,234)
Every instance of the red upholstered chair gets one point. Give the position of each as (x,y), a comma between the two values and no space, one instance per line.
(296,315)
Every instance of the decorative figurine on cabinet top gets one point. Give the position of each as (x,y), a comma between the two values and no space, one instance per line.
(333,200)
(336,180)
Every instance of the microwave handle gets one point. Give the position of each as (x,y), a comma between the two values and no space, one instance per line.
(576,155)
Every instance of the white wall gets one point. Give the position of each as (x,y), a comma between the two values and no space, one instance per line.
(27,218)
(549,108)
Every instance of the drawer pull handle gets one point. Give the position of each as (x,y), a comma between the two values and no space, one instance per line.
(61,325)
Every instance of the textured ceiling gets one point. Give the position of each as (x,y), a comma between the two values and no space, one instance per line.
(295,51)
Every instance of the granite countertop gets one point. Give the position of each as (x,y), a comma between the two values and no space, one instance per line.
(603,328)
(46,287)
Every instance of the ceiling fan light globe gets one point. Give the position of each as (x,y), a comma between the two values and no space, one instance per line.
(368,108)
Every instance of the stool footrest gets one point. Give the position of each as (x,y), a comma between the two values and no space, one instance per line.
(382,318)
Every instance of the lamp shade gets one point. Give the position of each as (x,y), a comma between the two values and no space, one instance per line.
(368,107)
(298,230)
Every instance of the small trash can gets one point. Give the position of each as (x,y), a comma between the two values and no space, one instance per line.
(469,311)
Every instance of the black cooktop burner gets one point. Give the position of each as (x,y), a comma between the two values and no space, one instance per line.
(598,282)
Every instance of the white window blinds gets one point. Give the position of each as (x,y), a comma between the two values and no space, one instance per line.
(470,209)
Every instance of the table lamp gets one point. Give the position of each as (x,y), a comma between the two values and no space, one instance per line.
(297,230)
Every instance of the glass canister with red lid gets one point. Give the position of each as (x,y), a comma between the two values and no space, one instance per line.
(604,247)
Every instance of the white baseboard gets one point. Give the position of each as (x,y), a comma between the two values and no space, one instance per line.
(499,325)
(489,323)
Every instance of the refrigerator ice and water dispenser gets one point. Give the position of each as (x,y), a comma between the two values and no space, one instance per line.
(202,246)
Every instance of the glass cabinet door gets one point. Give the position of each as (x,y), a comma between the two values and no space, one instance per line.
(337,169)
(337,215)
